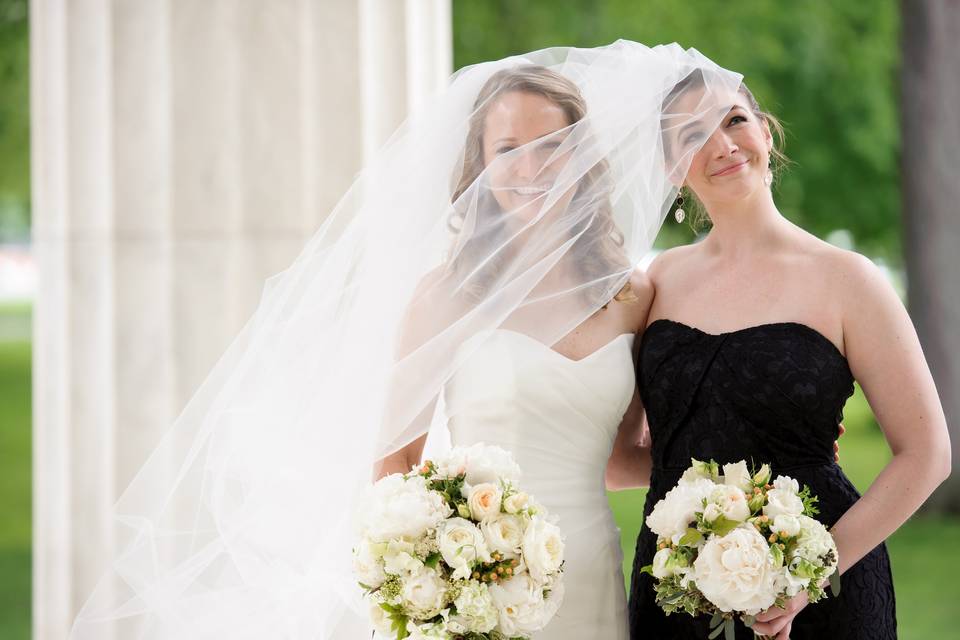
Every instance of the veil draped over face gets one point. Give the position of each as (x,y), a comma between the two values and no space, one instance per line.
(240,524)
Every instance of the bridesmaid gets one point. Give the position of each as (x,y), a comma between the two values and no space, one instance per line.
(755,338)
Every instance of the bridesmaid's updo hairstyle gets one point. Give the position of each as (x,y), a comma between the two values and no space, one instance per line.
(778,159)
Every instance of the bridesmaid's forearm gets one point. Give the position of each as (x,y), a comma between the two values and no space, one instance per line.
(900,489)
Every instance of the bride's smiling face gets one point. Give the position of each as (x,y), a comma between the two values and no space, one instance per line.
(734,159)
(522,134)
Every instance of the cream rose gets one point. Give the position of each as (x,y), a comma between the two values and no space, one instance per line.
(476,610)
(736,572)
(367,565)
(673,514)
(484,501)
(504,535)
(786,525)
(711,512)
(401,507)
(461,546)
(782,502)
(516,502)
(660,564)
(542,548)
(732,502)
(399,558)
(380,619)
(736,475)
(521,608)
(423,593)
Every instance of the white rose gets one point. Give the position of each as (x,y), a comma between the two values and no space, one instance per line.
(462,546)
(711,512)
(427,631)
(521,607)
(660,561)
(402,508)
(736,572)
(673,514)
(732,502)
(476,610)
(504,535)
(782,502)
(481,463)
(786,525)
(399,558)
(736,475)
(762,476)
(786,483)
(380,619)
(790,583)
(423,593)
(367,565)
(484,501)
(697,470)
(516,503)
(814,542)
(542,548)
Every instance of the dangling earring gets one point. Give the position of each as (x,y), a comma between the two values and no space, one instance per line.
(679,214)
(768,177)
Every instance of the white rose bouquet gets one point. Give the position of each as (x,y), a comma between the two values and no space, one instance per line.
(735,545)
(454,549)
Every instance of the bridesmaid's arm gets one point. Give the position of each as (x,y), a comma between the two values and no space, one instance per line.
(630,461)
(885,357)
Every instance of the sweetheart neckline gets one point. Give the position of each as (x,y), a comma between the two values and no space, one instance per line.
(765,325)
(536,342)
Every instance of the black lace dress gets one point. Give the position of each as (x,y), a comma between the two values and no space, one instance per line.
(770,393)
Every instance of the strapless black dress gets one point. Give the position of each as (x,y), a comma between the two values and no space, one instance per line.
(770,393)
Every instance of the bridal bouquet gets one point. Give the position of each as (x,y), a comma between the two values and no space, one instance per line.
(734,544)
(454,549)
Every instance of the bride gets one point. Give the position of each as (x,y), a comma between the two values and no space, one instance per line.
(476,283)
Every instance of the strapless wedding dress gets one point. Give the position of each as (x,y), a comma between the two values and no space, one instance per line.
(559,418)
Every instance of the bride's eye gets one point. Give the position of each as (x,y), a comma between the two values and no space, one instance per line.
(502,150)
(736,120)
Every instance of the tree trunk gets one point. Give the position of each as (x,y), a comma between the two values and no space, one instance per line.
(930,116)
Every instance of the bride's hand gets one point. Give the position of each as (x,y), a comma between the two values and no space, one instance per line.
(776,622)
(836,443)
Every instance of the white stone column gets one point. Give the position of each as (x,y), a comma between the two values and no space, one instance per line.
(183,151)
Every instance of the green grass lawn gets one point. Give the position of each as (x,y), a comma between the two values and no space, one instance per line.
(925,558)
(15,463)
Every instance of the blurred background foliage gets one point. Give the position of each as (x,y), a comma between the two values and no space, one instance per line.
(14,121)
(827,69)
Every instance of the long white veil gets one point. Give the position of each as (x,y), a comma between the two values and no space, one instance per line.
(241,522)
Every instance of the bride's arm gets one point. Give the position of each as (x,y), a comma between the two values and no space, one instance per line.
(886,359)
(418,327)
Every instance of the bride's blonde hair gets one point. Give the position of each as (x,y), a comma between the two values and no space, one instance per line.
(607,256)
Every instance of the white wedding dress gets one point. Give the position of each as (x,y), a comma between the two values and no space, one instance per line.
(559,418)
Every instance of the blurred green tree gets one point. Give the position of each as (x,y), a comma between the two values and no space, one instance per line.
(829,70)
(14,120)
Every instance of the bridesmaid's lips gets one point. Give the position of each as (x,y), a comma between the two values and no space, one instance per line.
(731,169)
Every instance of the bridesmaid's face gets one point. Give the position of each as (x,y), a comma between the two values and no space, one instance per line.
(734,159)
(522,135)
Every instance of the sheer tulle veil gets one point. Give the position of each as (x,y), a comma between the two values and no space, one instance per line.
(240,524)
